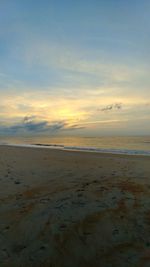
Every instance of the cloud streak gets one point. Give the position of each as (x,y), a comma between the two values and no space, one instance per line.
(81,65)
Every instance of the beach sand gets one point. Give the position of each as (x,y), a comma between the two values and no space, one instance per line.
(73,209)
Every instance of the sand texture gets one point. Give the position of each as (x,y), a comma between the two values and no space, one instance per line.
(73,209)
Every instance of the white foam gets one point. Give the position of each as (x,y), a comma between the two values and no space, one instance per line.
(112,151)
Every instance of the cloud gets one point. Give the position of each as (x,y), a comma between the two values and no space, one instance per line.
(31,125)
(115,106)
(75,127)
(81,68)
(28,119)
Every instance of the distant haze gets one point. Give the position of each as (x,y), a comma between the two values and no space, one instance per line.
(74,67)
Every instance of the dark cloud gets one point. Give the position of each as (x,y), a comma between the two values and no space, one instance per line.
(27,119)
(31,125)
(116,106)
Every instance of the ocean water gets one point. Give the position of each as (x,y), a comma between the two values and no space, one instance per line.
(114,144)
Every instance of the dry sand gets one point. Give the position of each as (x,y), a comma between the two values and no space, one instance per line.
(73,209)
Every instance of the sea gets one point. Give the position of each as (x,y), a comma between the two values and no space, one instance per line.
(133,145)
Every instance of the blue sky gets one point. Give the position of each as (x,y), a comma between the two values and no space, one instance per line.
(67,65)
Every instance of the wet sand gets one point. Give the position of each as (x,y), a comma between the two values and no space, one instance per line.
(73,209)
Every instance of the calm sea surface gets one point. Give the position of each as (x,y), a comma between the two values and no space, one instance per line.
(130,144)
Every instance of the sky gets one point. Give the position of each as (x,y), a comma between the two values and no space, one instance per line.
(74,67)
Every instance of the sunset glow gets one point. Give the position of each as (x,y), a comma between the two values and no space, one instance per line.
(86,69)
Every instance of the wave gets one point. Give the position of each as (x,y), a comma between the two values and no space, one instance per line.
(83,149)
(111,151)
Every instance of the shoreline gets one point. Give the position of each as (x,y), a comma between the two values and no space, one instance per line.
(127,152)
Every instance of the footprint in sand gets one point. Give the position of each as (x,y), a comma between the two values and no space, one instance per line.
(17,182)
